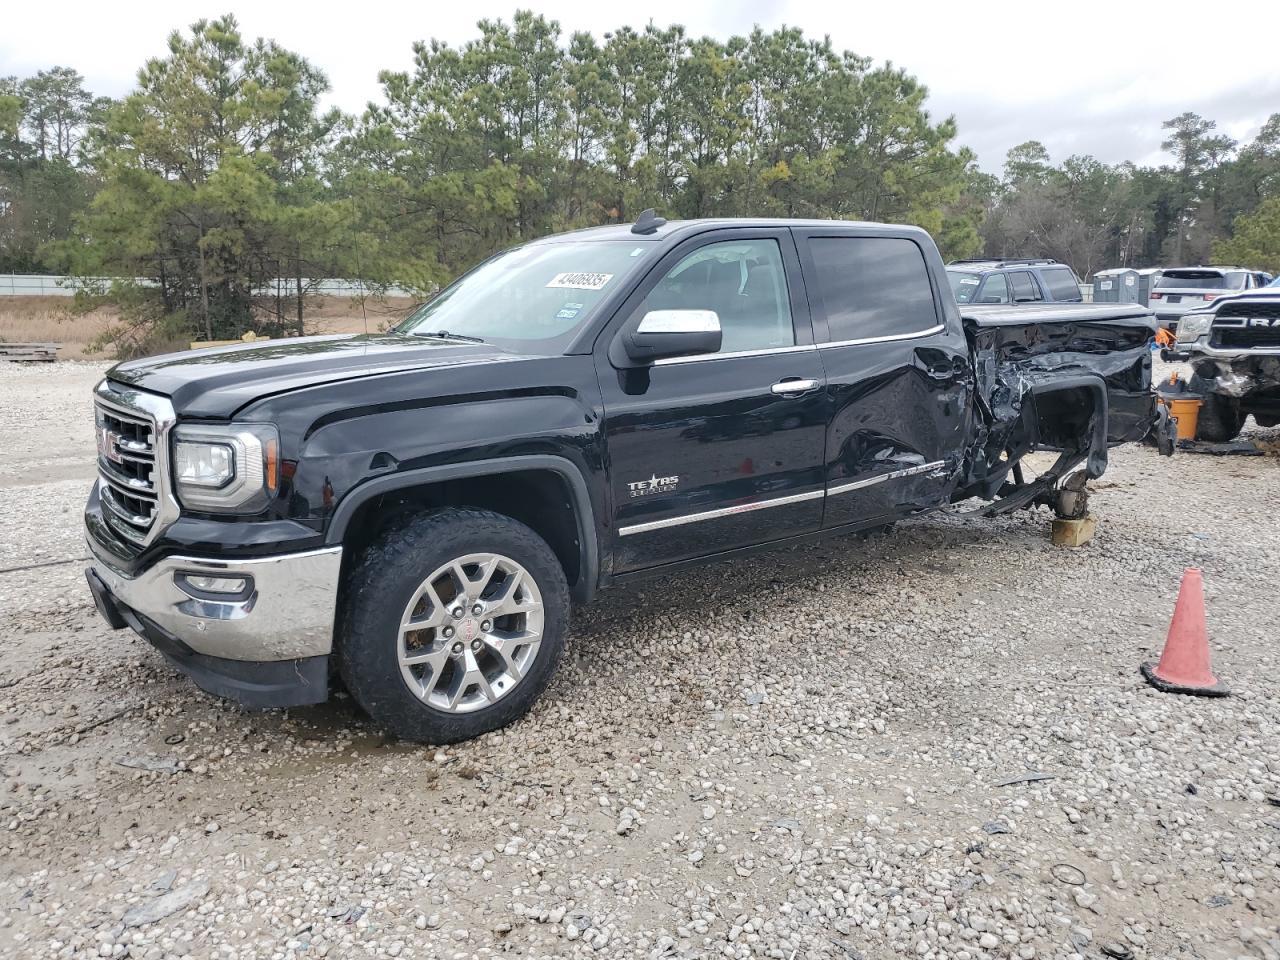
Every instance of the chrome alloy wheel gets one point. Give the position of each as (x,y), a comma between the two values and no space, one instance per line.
(470,632)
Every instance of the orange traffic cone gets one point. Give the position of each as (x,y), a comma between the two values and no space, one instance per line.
(1184,665)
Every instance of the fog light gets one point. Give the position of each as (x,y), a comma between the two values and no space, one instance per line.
(200,584)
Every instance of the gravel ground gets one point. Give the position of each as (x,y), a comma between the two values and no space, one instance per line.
(809,753)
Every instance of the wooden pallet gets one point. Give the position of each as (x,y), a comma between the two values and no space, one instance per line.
(29,352)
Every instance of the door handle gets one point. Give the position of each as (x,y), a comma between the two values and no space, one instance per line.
(793,386)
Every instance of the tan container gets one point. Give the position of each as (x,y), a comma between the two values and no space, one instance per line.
(1187,412)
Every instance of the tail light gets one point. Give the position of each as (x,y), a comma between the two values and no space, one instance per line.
(1212,296)
(1156,296)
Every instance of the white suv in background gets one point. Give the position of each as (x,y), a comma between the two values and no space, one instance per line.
(1183,289)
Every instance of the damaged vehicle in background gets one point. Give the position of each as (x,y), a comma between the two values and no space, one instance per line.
(415,511)
(1234,351)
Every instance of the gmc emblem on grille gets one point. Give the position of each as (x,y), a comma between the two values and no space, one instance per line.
(107,445)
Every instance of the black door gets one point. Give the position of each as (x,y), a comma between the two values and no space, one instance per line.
(714,452)
(897,373)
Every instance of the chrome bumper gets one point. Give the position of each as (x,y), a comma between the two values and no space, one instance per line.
(288,613)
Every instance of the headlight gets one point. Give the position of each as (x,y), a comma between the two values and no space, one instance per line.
(1192,326)
(219,468)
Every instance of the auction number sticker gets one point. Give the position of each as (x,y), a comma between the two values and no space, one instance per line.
(580,281)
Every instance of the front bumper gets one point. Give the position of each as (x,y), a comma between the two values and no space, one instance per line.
(1233,372)
(269,647)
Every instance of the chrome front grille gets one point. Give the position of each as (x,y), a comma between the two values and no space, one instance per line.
(1247,325)
(132,433)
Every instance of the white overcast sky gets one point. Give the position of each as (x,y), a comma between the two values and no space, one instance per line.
(1080,76)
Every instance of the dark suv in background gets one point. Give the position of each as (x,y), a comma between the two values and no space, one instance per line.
(1013,281)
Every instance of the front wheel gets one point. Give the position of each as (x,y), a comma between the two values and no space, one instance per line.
(1220,418)
(453,625)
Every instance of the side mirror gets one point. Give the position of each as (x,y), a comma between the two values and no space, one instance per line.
(673,333)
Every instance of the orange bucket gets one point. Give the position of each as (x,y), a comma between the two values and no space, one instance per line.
(1186,412)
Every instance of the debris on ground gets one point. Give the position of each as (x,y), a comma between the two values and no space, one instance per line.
(166,904)
(152,763)
(1239,448)
(1024,778)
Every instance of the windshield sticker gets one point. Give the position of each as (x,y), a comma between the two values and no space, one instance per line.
(580,281)
(637,251)
(569,311)
(969,281)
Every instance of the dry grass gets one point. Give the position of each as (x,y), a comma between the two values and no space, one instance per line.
(344,314)
(50,320)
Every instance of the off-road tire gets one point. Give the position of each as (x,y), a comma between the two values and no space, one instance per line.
(1220,418)
(380,584)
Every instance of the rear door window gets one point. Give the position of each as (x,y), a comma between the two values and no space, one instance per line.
(872,287)
(1024,287)
(1061,283)
(995,290)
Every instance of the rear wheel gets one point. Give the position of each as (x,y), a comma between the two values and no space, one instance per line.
(1220,418)
(453,625)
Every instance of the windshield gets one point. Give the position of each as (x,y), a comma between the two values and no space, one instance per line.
(964,285)
(1199,280)
(540,292)
(1274,283)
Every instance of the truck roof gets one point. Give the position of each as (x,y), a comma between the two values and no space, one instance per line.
(671,228)
(990,263)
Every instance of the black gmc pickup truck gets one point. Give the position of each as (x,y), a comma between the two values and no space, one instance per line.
(414,512)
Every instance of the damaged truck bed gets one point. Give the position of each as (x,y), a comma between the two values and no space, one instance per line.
(1073,379)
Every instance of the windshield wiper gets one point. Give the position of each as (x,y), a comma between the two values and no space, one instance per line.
(446,335)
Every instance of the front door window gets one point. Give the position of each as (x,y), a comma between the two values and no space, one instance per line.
(743,282)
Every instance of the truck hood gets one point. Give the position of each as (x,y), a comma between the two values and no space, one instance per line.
(217,382)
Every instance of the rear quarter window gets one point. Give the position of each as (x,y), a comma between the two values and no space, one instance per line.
(1061,283)
(872,286)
